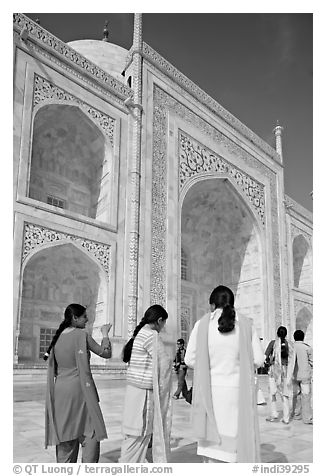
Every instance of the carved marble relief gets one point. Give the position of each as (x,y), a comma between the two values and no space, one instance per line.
(159,206)
(35,236)
(196,159)
(44,90)
(162,104)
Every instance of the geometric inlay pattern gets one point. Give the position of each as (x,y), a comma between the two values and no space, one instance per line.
(44,90)
(35,236)
(195,159)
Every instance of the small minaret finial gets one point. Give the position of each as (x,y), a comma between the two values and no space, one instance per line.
(105,32)
(278,139)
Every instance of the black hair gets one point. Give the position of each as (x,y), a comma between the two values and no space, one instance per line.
(298,335)
(151,316)
(72,310)
(223,297)
(181,341)
(281,333)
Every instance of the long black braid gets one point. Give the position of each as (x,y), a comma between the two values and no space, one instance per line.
(281,333)
(70,311)
(223,297)
(151,316)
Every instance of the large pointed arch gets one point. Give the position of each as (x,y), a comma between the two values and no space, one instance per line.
(220,228)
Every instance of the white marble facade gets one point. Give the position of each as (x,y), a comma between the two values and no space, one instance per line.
(212,208)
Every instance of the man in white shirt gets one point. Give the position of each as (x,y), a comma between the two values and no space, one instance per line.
(302,377)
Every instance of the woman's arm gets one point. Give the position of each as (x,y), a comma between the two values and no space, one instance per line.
(104,350)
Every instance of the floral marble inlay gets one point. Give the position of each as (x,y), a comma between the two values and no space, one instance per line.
(44,90)
(36,236)
(196,159)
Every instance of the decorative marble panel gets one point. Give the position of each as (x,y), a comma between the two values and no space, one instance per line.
(194,159)
(36,236)
(159,206)
(44,90)
(59,52)
(162,104)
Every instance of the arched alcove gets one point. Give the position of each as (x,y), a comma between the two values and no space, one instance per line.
(69,161)
(304,320)
(54,277)
(302,264)
(223,241)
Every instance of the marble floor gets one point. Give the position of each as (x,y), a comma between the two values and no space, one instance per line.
(279,443)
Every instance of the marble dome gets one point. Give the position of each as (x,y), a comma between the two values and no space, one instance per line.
(108,56)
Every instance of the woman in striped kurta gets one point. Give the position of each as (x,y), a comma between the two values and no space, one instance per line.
(146,417)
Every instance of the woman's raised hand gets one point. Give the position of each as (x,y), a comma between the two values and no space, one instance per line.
(105,329)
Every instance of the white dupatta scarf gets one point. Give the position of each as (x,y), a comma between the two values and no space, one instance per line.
(162,374)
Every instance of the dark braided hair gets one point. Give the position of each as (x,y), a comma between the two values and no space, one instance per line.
(151,316)
(223,297)
(72,310)
(281,333)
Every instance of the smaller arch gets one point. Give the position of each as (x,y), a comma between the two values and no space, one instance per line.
(63,242)
(302,263)
(303,319)
(70,159)
(69,274)
(81,107)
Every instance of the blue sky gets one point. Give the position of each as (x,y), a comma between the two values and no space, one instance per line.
(258,66)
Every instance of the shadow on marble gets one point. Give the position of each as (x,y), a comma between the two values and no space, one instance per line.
(269,454)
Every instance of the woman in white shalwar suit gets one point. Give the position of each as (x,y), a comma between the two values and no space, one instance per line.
(224,352)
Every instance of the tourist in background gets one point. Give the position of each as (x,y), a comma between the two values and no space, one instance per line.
(72,413)
(279,357)
(181,370)
(147,417)
(302,376)
(223,352)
